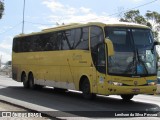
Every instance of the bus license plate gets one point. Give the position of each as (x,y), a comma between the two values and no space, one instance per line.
(135,90)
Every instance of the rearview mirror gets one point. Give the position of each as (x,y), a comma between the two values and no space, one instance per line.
(154,44)
(109,44)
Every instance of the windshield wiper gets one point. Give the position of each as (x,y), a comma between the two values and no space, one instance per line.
(137,66)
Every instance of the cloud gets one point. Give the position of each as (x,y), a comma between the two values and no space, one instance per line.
(54,5)
(69,14)
(57,7)
(85,10)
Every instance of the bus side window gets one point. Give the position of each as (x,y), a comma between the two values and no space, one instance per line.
(81,38)
(66,36)
(75,39)
(16,44)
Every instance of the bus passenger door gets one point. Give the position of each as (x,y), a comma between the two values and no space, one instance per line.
(94,79)
(98,57)
(101,69)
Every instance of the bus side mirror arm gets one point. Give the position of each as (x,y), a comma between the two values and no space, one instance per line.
(110,47)
(154,44)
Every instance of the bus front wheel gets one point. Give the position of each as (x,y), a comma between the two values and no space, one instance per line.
(85,87)
(127,97)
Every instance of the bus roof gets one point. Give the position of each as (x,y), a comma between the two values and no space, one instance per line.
(127,24)
(76,25)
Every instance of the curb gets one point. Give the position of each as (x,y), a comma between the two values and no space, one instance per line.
(46,112)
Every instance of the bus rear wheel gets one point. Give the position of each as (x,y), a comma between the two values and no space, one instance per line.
(31,81)
(24,80)
(85,88)
(127,97)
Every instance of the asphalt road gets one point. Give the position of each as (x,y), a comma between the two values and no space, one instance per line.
(72,103)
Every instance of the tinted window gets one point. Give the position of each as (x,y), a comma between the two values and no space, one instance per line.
(62,40)
(96,36)
(16,44)
(22,44)
(121,38)
(51,41)
(76,39)
(31,43)
(66,40)
(142,37)
(81,37)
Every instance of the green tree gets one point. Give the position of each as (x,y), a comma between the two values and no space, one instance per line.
(154,19)
(133,16)
(1,8)
(151,19)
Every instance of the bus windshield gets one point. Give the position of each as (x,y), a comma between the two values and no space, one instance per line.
(133,55)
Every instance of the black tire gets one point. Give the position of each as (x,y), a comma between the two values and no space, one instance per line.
(85,87)
(31,81)
(24,80)
(127,98)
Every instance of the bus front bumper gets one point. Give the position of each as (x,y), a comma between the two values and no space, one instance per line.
(118,90)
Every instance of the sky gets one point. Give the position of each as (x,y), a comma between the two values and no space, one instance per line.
(41,14)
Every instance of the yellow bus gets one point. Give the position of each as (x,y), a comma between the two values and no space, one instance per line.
(95,58)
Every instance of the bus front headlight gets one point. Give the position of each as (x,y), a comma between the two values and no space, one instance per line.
(115,83)
(152,83)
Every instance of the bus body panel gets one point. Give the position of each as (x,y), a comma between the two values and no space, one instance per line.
(65,68)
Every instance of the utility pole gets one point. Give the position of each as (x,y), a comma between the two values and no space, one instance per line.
(0,60)
(23,16)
